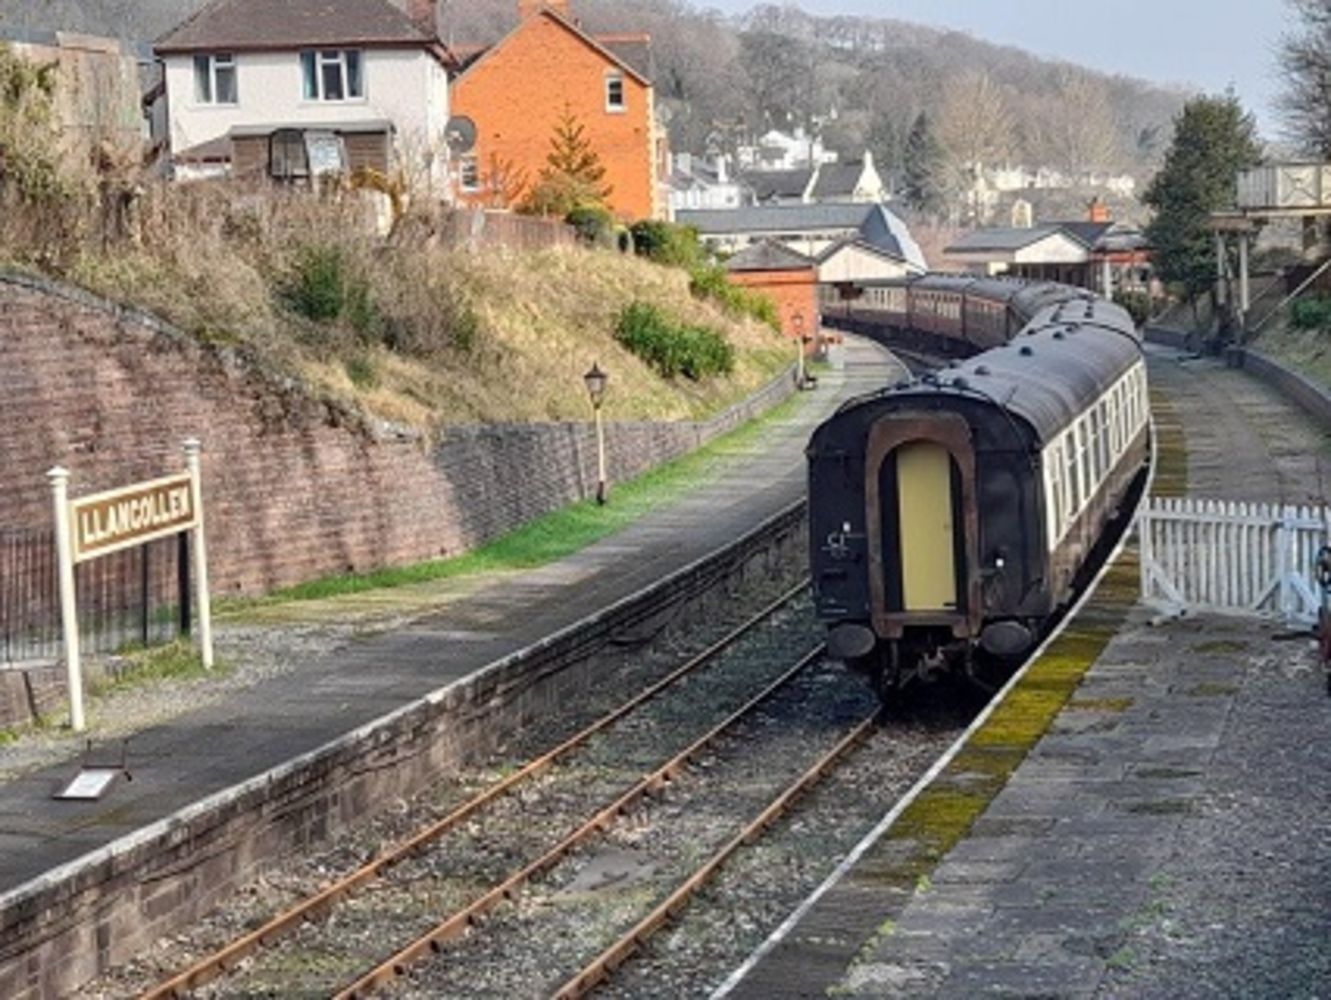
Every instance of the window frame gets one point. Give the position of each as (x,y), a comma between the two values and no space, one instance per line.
(615,77)
(207,67)
(350,66)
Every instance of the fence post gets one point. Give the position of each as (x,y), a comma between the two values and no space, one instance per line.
(192,448)
(1144,554)
(69,618)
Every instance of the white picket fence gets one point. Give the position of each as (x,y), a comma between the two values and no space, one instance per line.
(1232,558)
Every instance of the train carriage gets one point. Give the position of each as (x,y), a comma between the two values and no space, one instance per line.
(957,510)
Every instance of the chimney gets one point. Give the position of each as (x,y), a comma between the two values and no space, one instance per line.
(526,8)
(425,15)
(1099,211)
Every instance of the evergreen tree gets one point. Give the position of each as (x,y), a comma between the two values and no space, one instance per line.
(923,166)
(1214,139)
(573,177)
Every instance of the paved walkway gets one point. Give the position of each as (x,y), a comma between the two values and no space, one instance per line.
(255,729)
(1170,835)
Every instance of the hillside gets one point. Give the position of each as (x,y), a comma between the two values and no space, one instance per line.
(408,331)
(720,79)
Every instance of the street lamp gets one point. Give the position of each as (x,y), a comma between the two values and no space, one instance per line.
(596,380)
(797,321)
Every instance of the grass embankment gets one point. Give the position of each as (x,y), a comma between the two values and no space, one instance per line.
(404,328)
(547,538)
(1306,351)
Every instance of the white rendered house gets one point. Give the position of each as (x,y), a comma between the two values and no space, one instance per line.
(296,88)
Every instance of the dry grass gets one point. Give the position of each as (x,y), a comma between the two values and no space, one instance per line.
(452,337)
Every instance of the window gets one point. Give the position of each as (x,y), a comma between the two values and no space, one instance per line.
(215,79)
(469,174)
(332,75)
(614,90)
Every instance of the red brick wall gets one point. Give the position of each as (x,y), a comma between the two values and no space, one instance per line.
(795,292)
(517,93)
(293,488)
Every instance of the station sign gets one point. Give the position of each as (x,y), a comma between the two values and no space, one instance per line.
(116,519)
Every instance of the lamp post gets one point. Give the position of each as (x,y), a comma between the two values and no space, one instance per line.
(797,321)
(596,380)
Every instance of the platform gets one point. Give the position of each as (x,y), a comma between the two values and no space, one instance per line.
(259,727)
(1168,836)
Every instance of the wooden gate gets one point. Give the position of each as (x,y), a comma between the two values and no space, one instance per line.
(1232,558)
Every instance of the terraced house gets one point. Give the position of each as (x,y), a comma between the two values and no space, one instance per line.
(297,88)
(517,90)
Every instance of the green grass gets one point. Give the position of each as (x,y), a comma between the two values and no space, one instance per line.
(178,660)
(554,535)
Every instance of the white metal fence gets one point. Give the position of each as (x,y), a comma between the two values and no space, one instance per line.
(1232,558)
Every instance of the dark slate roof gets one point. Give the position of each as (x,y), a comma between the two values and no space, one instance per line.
(634,51)
(875,225)
(837,180)
(769,255)
(776,218)
(980,240)
(286,24)
(768,184)
(1086,233)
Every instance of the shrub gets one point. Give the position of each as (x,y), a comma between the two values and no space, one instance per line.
(1138,305)
(667,243)
(672,348)
(711,281)
(318,286)
(593,224)
(1311,313)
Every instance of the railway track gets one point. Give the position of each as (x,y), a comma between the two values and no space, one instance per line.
(401,870)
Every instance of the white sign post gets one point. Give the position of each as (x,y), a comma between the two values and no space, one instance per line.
(192,449)
(69,616)
(97,525)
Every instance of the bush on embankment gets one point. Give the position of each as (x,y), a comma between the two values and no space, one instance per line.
(405,327)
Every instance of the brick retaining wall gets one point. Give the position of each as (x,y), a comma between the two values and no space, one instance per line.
(295,487)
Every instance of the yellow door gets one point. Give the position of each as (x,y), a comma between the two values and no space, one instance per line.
(924,506)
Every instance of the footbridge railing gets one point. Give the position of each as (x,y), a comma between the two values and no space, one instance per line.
(1233,558)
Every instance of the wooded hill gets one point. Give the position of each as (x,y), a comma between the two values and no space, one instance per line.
(722,80)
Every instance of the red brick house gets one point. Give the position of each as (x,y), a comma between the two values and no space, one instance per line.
(516,91)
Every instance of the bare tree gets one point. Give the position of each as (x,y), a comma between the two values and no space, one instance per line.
(1304,58)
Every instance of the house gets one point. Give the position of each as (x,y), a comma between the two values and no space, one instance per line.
(855,181)
(99,84)
(517,91)
(811,230)
(294,89)
(777,150)
(787,277)
(1095,253)
(697,182)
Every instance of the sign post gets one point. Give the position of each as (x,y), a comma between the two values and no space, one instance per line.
(69,616)
(192,449)
(117,519)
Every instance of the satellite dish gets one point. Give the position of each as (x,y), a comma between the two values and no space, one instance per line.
(460,134)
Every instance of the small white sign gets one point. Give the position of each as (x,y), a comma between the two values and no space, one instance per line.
(90,783)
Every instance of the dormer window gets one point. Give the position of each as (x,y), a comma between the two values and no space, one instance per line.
(215,79)
(332,75)
(614,90)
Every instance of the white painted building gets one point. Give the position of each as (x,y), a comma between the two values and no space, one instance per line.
(777,150)
(303,87)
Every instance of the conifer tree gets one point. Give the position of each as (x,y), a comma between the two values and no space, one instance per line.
(923,166)
(573,176)
(1214,139)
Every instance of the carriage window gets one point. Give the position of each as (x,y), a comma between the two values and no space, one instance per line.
(1084,451)
(1074,480)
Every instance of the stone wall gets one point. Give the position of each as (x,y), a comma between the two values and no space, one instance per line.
(295,487)
(1313,397)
